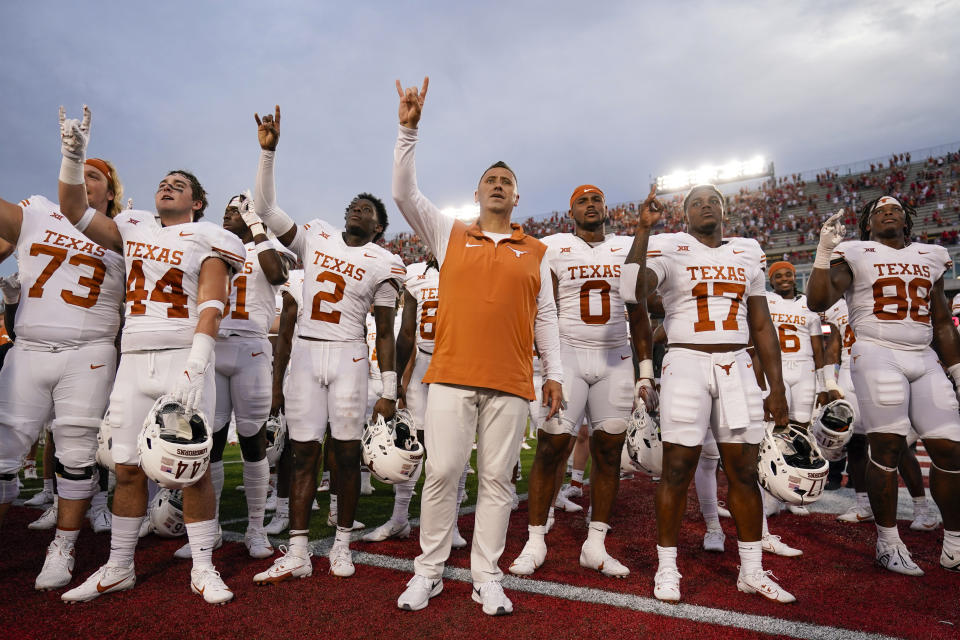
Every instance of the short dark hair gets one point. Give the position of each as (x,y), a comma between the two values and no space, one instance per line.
(500,164)
(864,217)
(713,187)
(380,208)
(197,192)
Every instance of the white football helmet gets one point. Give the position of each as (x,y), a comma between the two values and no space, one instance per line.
(104,444)
(643,442)
(276,437)
(391,450)
(166,514)
(791,466)
(833,429)
(174,447)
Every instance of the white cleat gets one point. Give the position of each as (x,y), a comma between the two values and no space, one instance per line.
(666,585)
(762,582)
(925,522)
(595,556)
(896,558)
(257,543)
(286,567)
(315,506)
(278,524)
(722,510)
(145,527)
(773,544)
(418,593)
(490,594)
(39,499)
(101,520)
(530,559)
(855,514)
(332,522)
(341,561)
(271,504)
(563,503)
(459,542)
(798,510)
(574,490)
(713,540)
(185,552)
(324,485)
(57,567)
(389,529)
(45,522)
(106,579)
(209,584)
(950,560)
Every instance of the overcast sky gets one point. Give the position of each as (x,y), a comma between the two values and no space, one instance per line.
(608,93)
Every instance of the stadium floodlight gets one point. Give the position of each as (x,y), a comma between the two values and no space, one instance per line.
(469,211)
(733,171)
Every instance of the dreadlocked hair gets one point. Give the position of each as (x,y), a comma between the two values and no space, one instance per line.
(863,217)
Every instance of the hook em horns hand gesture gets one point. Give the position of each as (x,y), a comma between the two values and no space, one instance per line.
(411,103)
(651,210)
(268,129)
(74,135)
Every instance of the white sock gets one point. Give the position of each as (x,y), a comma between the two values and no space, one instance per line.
(124,534)
(67,537)
(298,543)
(202,537)
(919,506)
(333,503)
(283,507)
(766,531)
(99,500)
(536,533)
(256,482)
(343,536)
(48,485)
(888,535)
(577,476)
(597,531)
(751,557)
(403,493)
(666,557)
(863,500)
(216,477)
(364,478)
(705,481)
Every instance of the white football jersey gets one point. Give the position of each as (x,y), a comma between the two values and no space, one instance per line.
(340,281)
(424,285)
(293,286)
(837,316)
(592,313)
(163,273)
(71,288)
(955,307)
(251,306)
(889,300)
(795,323)
(705,289)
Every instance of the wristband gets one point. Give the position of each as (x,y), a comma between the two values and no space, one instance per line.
(389,379)
(71,171)
(822,259)
(257,228)
(85,220)
(646,369)
(211,304)
(202,349)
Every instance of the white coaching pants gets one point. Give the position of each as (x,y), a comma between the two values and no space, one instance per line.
(455,415)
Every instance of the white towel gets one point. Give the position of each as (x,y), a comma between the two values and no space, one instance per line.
(730,391)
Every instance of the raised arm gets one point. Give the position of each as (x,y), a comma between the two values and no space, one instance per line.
(72,189)
(827,283)
(273,265)
(265,192)
(636,281)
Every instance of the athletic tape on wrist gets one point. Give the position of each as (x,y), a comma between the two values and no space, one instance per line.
(85,220)
(646,369)
(257,228)
(211,304)
(822,259)
(71,171)
(202,349)
(389,379)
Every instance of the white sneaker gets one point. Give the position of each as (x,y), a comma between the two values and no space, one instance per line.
(341,561)
(57,567)
(208,583)
(145,527)
(722,510)
(315,506)
(46,521)
(332,522)
(278,524)
(324,485)
(30,470)
(490,594)
(896,558)
(574,491)
(762,582)
(798,510)
(106,579)
(100,519)
(595,556)
(925,522)
(713,540)
(286,567)
(258,545)
(459,542)
(185,552)
(773,544)
(565,504)
(525,446)
(666,584)
(950,560)
(530,559)
(389,529)
(418,593)
(39,499)
(855,514)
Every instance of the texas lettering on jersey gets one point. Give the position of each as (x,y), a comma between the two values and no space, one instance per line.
(795,324)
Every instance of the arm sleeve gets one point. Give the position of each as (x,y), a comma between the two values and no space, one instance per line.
(424,217)
(546,328)
(265,203)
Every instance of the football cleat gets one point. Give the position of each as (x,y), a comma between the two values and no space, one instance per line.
(389,529)
(257,543)
(459,542)
(46,521)
(856,514)
(324,484)
(575,490)
(762,582)
(566,504)
(490,594)
(57,567)
(896,558)
(332,522)
(925,522)
(530,559)
(595,556)
(341,561)
(666,584)
(950,560)
(208,583)
(106,579)
(286,567)
(418,593)
(277,525)
(713,540)
(722,510)
(773,544)
(798,510)
(39,499)
(101,520)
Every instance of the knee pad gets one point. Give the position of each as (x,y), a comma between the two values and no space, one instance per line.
(614,426)
(9,488)
(77,483)
(76,441)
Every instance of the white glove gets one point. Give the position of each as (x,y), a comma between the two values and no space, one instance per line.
(249,215)
(831,234)
(74,135)
(10,287)
(189,388)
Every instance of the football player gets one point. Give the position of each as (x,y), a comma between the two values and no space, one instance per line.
(64,359)
(344,273)
(178,269)
(714,297)
(901,318)
(598,378)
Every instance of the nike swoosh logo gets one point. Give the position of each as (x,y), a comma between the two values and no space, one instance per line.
(102,588)
(476,591)
(861,518)
(97,366)
(624,357)
(615,249)
(184,235)
(358,359)
(740,251)
(254,355)
(749,365)
(949,557)
(923,253)
(367,255)
(473,245)
(200,591)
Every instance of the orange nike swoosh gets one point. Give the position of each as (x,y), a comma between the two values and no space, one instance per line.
(97,366)
(368,255)
(200,591)
(740,251)
(615,249)
(184,235)
(358,359)
(102,588)
(254,355)
(749,365)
